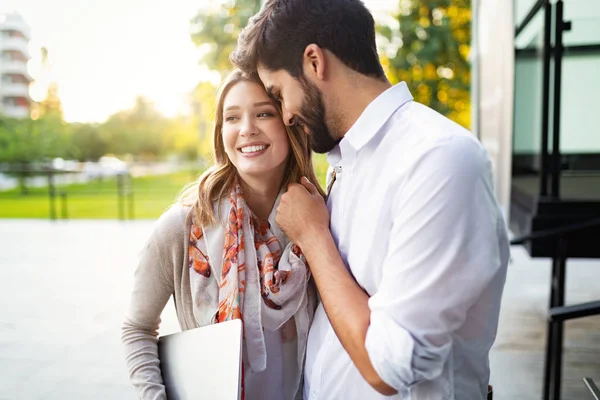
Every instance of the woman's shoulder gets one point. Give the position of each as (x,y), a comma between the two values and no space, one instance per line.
(173,223)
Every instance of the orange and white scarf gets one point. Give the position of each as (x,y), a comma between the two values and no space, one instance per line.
(261,284)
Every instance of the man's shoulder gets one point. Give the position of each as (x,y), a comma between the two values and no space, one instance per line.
(422,144)
(416,130)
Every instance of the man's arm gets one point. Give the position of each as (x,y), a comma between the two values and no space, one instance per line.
(345,303)
(443,250)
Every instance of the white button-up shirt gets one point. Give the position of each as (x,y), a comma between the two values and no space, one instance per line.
(415,219)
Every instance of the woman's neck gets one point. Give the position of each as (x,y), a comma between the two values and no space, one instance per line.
(260,194)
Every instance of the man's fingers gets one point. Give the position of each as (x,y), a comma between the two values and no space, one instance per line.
(312,189)
(293,185)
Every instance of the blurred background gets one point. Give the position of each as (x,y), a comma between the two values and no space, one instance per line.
(107,108)
(106,113)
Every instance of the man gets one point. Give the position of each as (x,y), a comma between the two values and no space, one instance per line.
(409,252)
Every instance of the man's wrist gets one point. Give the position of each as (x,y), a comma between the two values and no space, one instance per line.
(315,242)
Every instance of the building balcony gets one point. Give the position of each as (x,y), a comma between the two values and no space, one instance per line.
(15,111)
(14,22)
(15,44)
(15,90)
(14,67)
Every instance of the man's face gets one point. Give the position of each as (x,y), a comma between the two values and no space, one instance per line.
(302,104)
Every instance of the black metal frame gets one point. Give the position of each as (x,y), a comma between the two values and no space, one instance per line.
(546,98)
(581,49)
(559,243)
(530,15)
(558,313)
(550,168)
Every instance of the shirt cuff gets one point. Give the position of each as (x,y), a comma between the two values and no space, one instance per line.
(390,349)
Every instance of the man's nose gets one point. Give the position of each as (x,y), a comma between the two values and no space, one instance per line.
(288,117)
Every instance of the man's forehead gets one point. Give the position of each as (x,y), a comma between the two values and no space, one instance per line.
(267,76)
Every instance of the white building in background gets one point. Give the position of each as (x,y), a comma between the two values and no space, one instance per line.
(15,34)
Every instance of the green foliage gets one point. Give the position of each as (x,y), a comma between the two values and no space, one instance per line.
(137,131)
(435,40)
(88,142)
(217,29)
(26,141)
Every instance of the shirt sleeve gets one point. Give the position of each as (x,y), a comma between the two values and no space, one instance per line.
(443,252)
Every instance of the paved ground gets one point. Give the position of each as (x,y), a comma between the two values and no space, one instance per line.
(518,354)
(64,287)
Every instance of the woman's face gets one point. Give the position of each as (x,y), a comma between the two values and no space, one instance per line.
(254,135)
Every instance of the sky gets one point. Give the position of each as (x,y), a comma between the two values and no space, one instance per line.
(104,53)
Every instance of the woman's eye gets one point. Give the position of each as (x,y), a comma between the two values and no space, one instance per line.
(230,118)
(265,114)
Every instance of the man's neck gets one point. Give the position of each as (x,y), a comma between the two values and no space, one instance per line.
(355,94)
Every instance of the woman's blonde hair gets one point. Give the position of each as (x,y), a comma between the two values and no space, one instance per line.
(218,180)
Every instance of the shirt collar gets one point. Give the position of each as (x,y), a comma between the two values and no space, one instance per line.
(371,120)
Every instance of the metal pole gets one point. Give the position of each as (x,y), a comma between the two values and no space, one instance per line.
(545,165)
(560,27)
(130,195)
(63,197)
(51,193)
(120,197)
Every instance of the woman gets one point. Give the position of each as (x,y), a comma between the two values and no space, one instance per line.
(200,246)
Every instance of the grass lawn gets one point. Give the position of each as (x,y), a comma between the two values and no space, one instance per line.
(152,195)
(99,200)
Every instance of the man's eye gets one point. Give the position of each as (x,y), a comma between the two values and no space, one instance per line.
(276,96)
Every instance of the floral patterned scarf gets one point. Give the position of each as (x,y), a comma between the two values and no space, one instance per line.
(281,276)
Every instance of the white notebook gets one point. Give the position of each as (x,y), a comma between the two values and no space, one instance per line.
(203,363)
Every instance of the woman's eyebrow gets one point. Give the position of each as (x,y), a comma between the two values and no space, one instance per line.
(263,103)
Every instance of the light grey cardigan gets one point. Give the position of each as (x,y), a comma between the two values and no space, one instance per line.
(162,272)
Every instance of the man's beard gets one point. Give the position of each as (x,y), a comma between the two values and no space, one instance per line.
(313,118)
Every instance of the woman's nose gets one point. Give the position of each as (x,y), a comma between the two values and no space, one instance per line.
(248,128)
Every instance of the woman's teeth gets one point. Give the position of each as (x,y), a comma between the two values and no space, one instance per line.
(253,149)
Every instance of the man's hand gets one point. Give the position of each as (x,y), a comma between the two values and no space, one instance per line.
(302,213)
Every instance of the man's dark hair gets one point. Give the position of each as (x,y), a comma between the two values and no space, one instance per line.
(278,34)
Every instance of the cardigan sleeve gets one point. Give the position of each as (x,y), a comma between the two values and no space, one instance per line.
(152,287)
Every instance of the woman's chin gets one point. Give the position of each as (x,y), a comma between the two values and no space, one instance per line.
(258,173)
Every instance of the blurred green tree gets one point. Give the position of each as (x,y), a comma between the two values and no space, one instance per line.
(88,143)
(430,53)
(217,27)
(24,142)
(139,130)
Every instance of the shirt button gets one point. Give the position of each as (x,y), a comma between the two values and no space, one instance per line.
(330,339)
(313,395)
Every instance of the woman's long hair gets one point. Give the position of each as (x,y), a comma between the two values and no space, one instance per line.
(218,180)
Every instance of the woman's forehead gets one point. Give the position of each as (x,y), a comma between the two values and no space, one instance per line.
(246,93)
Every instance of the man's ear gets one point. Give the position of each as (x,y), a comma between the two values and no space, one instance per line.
(314,63)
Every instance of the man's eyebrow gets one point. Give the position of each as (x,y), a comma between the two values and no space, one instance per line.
(270,89)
